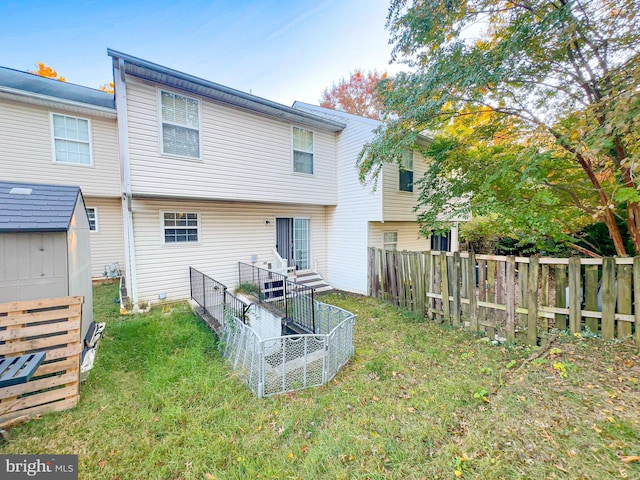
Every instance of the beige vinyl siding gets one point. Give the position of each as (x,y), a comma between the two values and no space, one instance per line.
(398,205)
(107,242)
(26,150)
(357,205)
(409,237)
(229,232)
(244,156)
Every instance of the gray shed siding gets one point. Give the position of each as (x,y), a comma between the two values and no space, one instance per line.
(33,265)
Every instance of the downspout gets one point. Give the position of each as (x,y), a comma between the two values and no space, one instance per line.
(125,176)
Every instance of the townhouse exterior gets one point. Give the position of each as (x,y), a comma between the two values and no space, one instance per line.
(193,173)
(64,134)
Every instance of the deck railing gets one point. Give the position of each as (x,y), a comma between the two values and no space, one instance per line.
(294,300)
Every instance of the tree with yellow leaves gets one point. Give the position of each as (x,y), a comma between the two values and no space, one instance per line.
(47,72)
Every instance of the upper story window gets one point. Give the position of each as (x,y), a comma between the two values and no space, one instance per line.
(180,125)
(178,227)
(302,150)
(390,240)
(92,213)
(406,172)
(71,139)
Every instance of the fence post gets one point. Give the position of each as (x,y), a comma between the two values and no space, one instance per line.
(532,301)
(313,311)
(191,282)
(575,314)
(204,294)
(510,298)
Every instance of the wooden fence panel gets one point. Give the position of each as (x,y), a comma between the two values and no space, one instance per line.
(52,326)
(511,297)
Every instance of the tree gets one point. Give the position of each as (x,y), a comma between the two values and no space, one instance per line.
(534,106)
(108,87)
(48,72)
(357,95)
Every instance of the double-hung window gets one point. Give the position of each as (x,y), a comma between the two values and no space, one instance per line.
(390,240)
(92,213)
(302,150)
(180,125)
(71,139)
(180,227)
(406,172)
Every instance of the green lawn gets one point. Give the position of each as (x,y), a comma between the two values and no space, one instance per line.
(417,401)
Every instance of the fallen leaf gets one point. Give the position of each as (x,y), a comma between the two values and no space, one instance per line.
(629,459)
(102,463)
(375,399)
(208,476)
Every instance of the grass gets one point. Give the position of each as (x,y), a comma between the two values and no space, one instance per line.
(417,401)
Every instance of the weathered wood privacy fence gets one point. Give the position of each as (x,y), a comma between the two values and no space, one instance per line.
(512,297)
(52,326)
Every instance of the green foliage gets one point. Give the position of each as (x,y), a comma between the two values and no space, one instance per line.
(248,288)
(532,109)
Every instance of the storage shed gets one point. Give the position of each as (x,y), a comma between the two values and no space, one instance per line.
(44,245)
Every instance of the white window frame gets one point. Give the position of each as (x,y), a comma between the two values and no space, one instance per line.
(407,165)
(186,242)
(386,242)
(312,151)
(161,121)
(95,219)
(54,138)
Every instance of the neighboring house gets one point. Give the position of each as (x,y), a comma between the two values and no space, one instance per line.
(214,176)
(63,134)
(366,217)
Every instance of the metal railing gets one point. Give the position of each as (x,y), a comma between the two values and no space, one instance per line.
(294,300)
(215,298)
(276,364)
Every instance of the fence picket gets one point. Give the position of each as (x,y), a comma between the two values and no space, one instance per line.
(561,296)
(444,286)
(636,296)
(591,284)
(510,298)
(532,301)
(625,273)
(455,283)
(575,316)
(608,298)
(471,289)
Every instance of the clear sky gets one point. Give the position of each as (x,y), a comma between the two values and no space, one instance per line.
(282,50)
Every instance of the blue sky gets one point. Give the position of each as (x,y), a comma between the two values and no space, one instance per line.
(281,50)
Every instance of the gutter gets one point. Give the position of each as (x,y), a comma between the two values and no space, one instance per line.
(46,100)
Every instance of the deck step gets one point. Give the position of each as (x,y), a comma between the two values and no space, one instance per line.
(315,281)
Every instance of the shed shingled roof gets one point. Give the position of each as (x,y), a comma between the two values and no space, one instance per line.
(48,208)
